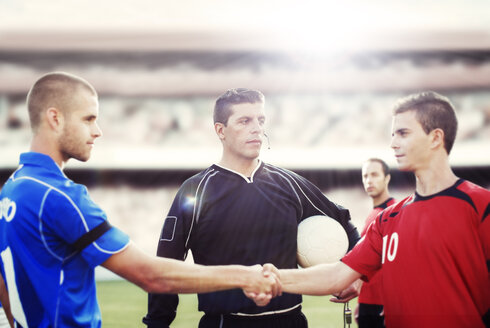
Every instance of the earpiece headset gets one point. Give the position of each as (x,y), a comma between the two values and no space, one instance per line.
(268,142)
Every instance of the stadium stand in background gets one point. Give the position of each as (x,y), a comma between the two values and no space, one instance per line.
(328,113)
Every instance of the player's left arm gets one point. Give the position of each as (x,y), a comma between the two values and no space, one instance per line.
(4,298)
(314,202)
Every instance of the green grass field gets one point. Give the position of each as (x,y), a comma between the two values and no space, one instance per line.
(123,305)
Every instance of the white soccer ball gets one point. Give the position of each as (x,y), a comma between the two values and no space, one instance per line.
(321,239)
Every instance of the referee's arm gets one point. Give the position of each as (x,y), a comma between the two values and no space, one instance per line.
(315,202)
(162,308)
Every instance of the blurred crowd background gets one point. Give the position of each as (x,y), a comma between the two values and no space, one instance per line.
(330,73)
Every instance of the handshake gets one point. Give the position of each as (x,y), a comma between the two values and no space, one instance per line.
(335,279)
(264,285)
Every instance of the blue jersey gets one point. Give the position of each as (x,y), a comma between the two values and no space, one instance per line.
(48,251)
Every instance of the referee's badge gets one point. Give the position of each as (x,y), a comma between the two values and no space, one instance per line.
(168,229)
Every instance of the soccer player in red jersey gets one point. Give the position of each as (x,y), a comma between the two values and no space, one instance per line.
(369,312)
(433,247)
(375,178)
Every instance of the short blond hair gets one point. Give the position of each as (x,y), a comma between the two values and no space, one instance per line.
(56,89)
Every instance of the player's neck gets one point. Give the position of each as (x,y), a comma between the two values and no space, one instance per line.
(434,179)
(244,167)
(43,145)
(380,199)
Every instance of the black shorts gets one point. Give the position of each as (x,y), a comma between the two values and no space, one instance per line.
(370,316)
(292,319)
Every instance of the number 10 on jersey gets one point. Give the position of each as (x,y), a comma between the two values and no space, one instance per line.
(389,248)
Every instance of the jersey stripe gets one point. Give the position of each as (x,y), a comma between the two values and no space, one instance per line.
(450,192)
(304,194)
(41,208)
(290,184)
(486,213)
(197,204)
(267,313)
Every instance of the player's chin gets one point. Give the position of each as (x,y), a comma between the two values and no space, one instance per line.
(371,192)
(403,165)
(404,168)
(82,157)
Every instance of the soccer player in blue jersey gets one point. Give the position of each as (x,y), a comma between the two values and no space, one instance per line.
(241,211)
(52,235)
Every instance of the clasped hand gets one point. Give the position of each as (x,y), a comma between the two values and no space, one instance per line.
(266,285)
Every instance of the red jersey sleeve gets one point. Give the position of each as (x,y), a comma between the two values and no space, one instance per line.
(484,228)
(365,257)
(485,237)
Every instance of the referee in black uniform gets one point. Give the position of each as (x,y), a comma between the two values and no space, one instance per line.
(241,211)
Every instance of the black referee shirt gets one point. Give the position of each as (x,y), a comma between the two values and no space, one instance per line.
(224,218)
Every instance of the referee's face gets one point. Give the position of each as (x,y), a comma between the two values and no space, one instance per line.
(243,134)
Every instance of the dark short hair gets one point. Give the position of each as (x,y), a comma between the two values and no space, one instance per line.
(222,108)
(384,166)
(55,89)
(433,111)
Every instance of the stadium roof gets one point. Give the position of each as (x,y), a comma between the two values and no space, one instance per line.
(317,26)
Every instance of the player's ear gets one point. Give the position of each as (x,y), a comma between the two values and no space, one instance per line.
(219,129)
(387,178)
(437,138)
(54,118)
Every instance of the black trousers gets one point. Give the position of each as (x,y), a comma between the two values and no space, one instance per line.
(370,316)
(293,319)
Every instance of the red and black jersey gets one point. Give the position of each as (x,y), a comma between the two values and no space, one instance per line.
(371,291)
(433,252)
(374,213)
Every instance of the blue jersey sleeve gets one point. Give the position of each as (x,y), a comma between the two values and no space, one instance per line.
(69,217)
